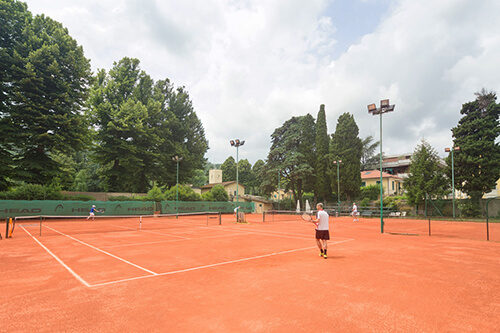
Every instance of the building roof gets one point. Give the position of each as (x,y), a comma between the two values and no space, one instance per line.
(375,174)
(223,184)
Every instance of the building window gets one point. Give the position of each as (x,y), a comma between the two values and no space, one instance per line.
(393,185)
(363,184)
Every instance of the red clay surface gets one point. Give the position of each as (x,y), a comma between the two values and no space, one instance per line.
(256,277)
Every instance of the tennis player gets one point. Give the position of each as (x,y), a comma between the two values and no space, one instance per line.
(92,213)
(354,212)
(322,233)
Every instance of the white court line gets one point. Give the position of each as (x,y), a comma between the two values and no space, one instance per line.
(59,260)
(211,265)
(107,253)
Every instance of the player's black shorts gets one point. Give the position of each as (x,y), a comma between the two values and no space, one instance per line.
(322,234)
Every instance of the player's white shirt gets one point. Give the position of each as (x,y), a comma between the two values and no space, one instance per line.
(322,220)
(354,208)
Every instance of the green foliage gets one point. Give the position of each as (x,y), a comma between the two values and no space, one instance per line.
(186,193)
(370,192)
(140,125)
(33,192)
(476,164)
(79,197)
(207,196)
(44,80)
(219,193)
(155,194)
(347,146)
(369,157)
(293,153)
(198,178)
(323,185)
(426,176)
(469,208)
(229,169)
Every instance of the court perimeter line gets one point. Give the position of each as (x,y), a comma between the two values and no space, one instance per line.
(212,265)
(107,253)
(59,260)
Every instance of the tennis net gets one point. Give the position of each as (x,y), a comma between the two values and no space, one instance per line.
(46,225)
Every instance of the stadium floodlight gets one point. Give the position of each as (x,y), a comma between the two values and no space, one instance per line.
(338,183)
(177,159)
(237,143)
(385,107)
(448,150)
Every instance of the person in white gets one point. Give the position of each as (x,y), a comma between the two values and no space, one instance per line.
(354,212)
(322,232)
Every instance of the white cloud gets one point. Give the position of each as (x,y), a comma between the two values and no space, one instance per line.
(251,65)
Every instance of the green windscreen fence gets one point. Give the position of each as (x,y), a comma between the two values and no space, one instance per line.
(13,208)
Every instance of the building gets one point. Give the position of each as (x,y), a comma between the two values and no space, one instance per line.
(392,184)
(230,188)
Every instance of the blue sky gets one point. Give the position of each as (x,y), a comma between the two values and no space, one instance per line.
(250,65)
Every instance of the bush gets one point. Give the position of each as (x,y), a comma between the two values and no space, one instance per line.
(186,193)
(33,192)
(372,192)
(79,197)
(155,194)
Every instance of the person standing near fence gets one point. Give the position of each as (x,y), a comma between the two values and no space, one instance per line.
(322,230)
(354,212)
(92,213)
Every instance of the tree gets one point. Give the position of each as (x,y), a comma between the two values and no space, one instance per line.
(426,176)
(292,151)
(140,126)
(45,78)
(323,183)
(477,163)
(219,193)
(228,170)
(369,157)
(347,146)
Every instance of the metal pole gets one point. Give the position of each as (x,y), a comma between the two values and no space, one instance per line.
(381,184)
(237,182)
(453,180)
(279,178)
(338,186)
(177,191)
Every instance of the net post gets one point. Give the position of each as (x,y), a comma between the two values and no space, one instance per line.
(220,218)
(264,216)
(41,218)
(7,228)
(9,235)
(429,226)
(208,215)
(140,222)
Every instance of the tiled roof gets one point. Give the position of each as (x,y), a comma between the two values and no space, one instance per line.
(372,174)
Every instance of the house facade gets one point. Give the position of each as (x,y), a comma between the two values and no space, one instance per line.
(392,185)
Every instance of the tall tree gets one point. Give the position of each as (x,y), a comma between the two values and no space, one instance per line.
(477,163)
(369,156)
(140,125)
(426,176)
(292,151)
(347,146)
(323,188)
(228,169)
(44,83)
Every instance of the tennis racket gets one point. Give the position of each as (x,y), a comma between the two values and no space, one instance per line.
(101,210)
(307,218)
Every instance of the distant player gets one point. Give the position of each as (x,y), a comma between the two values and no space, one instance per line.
(92,213)
(322,232)
(354,212)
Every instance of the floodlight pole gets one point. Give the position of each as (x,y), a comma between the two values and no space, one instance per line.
(177,159)
(384,108)
(452,174)
(237,143)
(279,178)
(338,183)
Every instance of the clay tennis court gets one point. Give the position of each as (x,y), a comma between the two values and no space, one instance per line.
(255,277)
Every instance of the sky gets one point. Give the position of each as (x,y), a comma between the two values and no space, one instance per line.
(249,66)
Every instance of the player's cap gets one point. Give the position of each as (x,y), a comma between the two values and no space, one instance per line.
(93,206)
